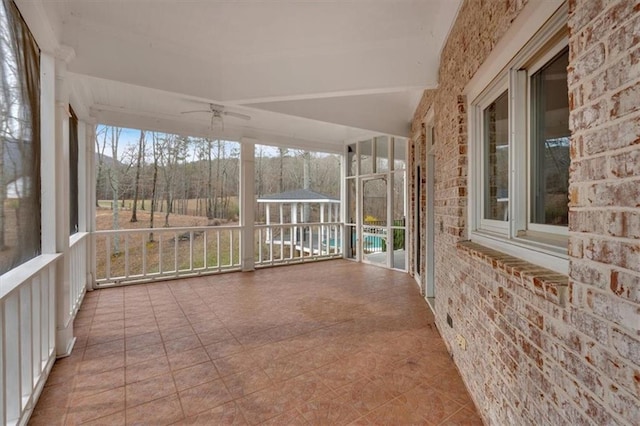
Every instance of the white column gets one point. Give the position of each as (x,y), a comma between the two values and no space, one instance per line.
(344,160)
(64,326)
(247,203)
(89,206)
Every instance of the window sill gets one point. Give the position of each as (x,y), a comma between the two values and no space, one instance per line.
(546,283)
(535,251)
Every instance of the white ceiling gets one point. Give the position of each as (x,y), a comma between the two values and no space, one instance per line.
(310,73)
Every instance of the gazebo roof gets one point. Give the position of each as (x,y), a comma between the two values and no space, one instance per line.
(298,196)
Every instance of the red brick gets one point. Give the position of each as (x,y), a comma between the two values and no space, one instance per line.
(625,102)
(618,311)
(624,404)
(624,193)
(587,64)
(626,37)
(627,346)
(589,325)
(625,285)
(619,135)
(581,12)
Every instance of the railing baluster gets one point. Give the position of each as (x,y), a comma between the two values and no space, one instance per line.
(218,249)
(144,254)
(36,320)
(175,252)
(159,253)
(231,252)
(206,242)
(108,256)
(259,246)
(126,255)
(271,247)
(25,342)
(191,250)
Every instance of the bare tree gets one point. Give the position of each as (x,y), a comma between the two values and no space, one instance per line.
(154,183)
(283,153)
(114,182)
(134,217)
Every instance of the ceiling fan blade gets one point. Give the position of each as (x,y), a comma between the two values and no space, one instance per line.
(197,110)
(237,115)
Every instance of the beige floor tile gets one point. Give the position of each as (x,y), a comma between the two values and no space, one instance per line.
(322,343)
(150,389)
(160,412)
(203,397)
(195,375)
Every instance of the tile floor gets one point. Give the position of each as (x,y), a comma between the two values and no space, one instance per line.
(329,343)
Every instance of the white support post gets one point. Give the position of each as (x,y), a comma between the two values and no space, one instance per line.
(83,181)
(64,321)
(247,204)
(89,207)
(344,161)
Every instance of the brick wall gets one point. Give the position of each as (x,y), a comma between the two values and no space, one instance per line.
(544,348)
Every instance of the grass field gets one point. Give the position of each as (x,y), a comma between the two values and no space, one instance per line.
(163,248)
(190,207)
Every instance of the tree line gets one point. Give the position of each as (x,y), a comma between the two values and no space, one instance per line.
(175,174)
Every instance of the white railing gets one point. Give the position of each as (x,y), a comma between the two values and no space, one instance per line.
(297,242)
(78,250)
(28,323)
(129,256)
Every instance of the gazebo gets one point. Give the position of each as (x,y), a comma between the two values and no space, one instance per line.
(301,206)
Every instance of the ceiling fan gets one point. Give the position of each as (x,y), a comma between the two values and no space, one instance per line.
(217,113)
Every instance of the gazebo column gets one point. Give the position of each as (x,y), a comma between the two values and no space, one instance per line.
(247,204)
(294,220)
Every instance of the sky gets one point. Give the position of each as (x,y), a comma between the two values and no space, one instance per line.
(131,137)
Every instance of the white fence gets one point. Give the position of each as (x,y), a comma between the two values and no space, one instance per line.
(144,255)
(28,323)
(300,242)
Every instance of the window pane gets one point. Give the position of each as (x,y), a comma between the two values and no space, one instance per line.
(374,202)
(351,160)
(399,153)
(382,154)
(73,173)
(366,159)
(19,140)
(398,199)
(496,159)
(550,143)
(351,200)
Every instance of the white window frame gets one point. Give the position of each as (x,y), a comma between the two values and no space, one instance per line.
(531,70)
(498,227)
(545,245)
